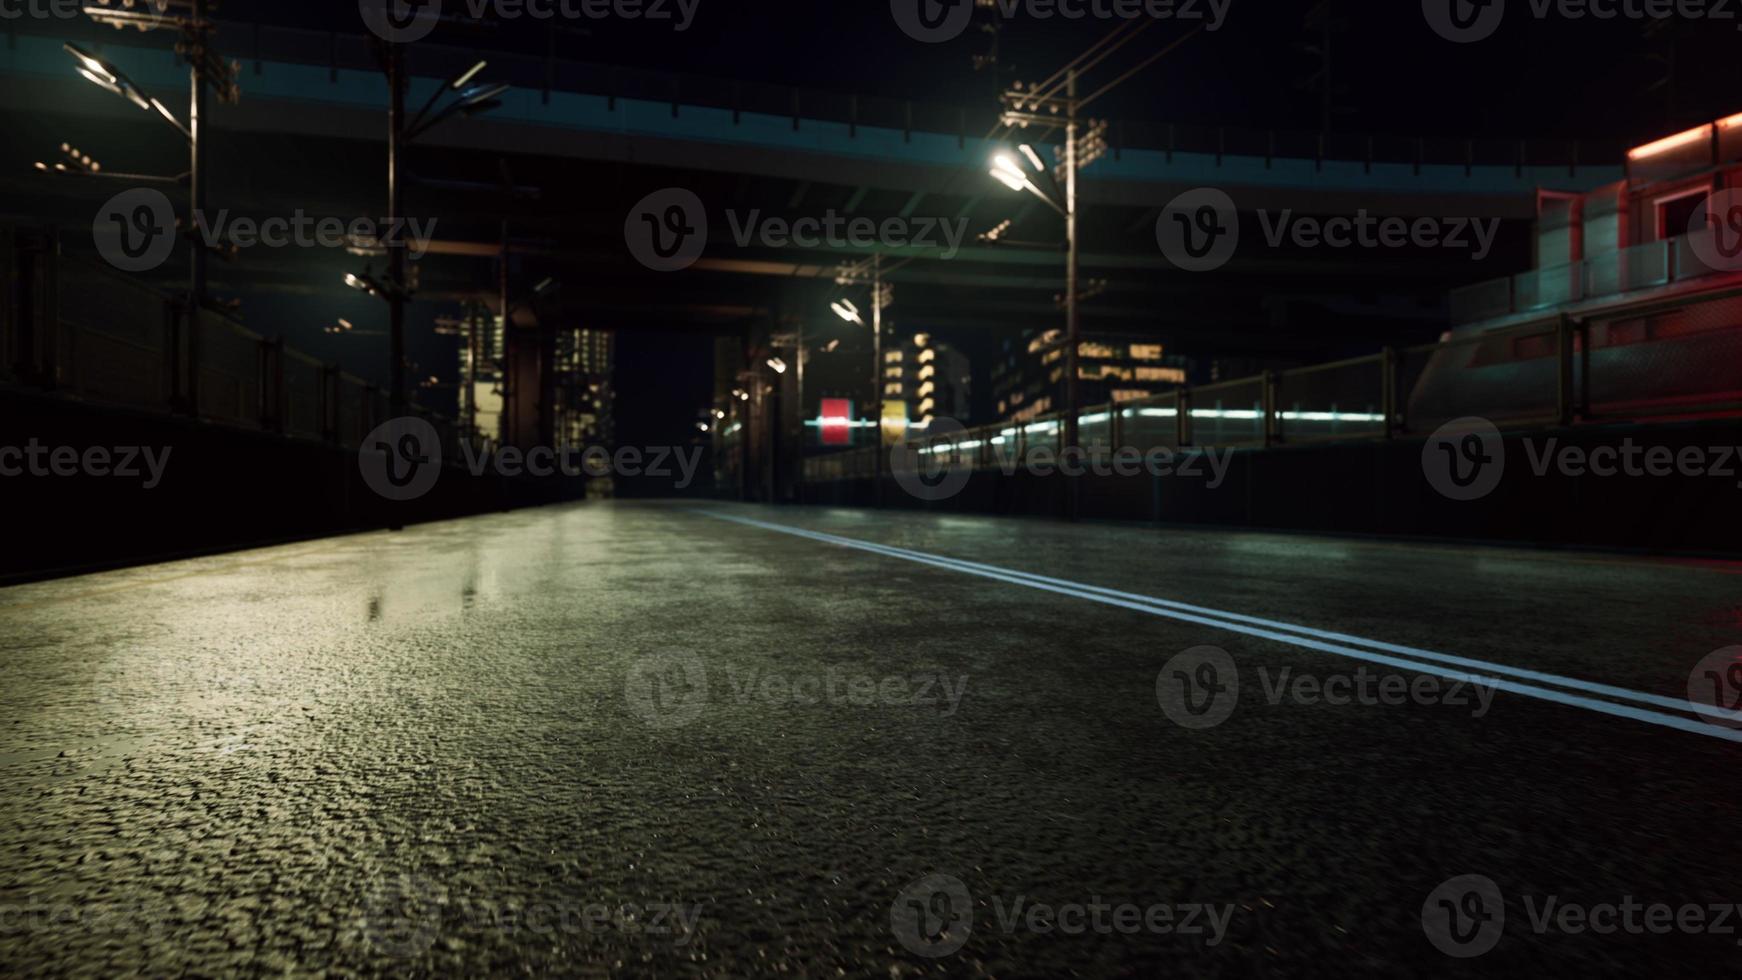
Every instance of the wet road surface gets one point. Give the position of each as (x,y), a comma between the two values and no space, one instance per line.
(686,740)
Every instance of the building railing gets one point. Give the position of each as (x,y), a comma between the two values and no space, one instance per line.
(1606,274)
(78,327)
(1540,373)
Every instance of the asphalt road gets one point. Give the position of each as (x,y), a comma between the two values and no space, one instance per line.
(681,740)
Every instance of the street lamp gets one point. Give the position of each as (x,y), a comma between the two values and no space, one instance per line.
(207,69)
(106,76)
(847,311)
(367,283)
(471,100)
(1012,174)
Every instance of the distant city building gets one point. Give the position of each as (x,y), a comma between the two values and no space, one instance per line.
(1028,378)
(585,361)
(923,379)
(484,399)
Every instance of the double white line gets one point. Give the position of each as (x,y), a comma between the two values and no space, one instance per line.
(1498,676)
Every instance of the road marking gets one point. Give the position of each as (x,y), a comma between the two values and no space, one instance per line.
(1426,661)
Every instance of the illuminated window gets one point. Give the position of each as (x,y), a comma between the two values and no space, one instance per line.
(893,372)
(922,340)
(1089,349)
(1122,395)
(926,372)
(893,357)
(1097,372)
(1146,352)
(893,389)
(1170,375)
(927,356)
(1048,339)
(926,389)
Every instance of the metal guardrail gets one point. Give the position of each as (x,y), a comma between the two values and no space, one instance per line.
(1544,372)
(1607,274)
(79,327)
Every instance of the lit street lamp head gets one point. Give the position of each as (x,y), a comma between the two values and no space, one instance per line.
(105,75)
(470,100)
(847,311)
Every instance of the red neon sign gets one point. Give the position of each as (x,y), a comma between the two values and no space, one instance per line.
(837,421)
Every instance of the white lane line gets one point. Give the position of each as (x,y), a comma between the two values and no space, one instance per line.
(1306,637)
(1589,687)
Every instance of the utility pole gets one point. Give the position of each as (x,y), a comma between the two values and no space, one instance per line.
(1048,105)
(207,73)
(200,32)
(859,274)
(395,246)
(474,318)
(877,372)
(1073,293)
(505,428)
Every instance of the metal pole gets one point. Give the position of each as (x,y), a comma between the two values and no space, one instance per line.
(197,171)
(1072,334)
(395,248)
(187,345)
(877,373)
(803,429)
(474,315)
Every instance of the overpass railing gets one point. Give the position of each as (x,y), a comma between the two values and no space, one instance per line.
(334,54)
(77,327)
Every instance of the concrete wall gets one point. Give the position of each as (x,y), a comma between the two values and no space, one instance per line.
(1380,488)
(221,489)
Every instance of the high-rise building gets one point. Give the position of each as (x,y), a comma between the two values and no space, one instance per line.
(581,371)
(925,378)
(481,358)
(1028,377)
(585,364)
